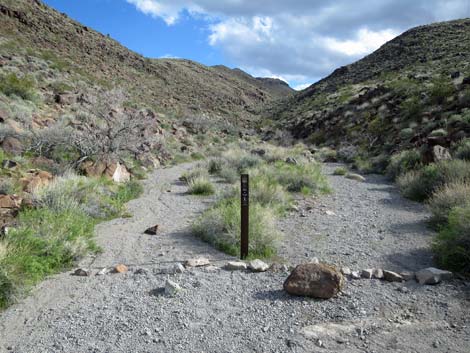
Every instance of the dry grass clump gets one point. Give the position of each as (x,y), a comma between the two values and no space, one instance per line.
(447,198)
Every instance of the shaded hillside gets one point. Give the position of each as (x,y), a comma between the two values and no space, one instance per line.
(32,33)
(412,92)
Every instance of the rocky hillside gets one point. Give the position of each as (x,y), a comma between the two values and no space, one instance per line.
(412,92)
(65,56)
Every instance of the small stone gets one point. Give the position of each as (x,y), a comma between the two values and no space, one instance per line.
(211,268)
(392,276)
(346,271)
(102,272)
(82,272)
(171,288)
(235,266)
(140,271)
(314,260)
(258,266)
(152,230)
(378,273)
(178,268)
(367,273)
(432,275)
(197,262)
(356,177)
(330,213)
(355,275)
(407,275)
(120,268)
(403,289)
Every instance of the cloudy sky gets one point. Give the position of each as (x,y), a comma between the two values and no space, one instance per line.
(299,41)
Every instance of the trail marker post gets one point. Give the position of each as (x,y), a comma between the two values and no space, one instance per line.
(245,211)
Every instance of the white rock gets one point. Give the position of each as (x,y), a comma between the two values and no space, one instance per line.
(197,262)
(121,175)
(235,266)
(346,271)
(171,288)
(178,268)
(314,260)
(258,266)
(355,275)
(378,273)
(356,177)
(103,271)
(432,275)
(330,213)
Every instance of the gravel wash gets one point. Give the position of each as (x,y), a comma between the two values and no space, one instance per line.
(223,311)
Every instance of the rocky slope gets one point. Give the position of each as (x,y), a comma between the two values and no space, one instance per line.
(64,55)
(411,92)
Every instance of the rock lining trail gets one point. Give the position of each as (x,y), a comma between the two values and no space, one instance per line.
(361,225)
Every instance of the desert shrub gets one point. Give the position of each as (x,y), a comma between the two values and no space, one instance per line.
(452,245)
(363,164)
(216,165)
(438,133)
(340,171)
(229,175)
(58,231)
(403,162)
(406,133)
(8,187)
(200,186)
(306,178)
(447,198)
(441,90)
(194,173)
(412,107)
(197,156)
(220,226)
(12,85)
(463,150)
(327,154)
(419,185)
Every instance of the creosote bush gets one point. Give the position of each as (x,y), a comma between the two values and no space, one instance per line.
(463,150)
(403,162)
(452,245)
(200,186)
(447,198)
(419,185)
(220,226)
(12,85)
(340,171)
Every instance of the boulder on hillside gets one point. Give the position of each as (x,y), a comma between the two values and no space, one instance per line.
(12,145)
(35,179)
(314,280)
(440,153)
(113,170)
(10,201)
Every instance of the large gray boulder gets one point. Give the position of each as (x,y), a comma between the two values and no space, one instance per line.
(314,280)
(432,275)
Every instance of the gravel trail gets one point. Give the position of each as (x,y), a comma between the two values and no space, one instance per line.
(222,311)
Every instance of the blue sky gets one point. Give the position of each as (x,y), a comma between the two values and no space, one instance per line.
(299,41)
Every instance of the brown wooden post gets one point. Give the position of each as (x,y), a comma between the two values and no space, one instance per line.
(245,204)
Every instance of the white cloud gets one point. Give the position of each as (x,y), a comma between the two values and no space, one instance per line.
(365,42)
(302,40)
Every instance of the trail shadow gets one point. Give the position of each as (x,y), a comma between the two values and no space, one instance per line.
(413,260)
(282,295)
(415,228)
(158,292)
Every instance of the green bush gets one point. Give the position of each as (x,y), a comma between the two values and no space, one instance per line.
(53,236)
(23,87)
(438,133)
(220,227)
(419,185)
(407,133)
(216,165)
(463,150)
(447,198)
(340,171)
(441,90)
(452,245)
(403,162)
(229,175)
(195,173)
(200,186)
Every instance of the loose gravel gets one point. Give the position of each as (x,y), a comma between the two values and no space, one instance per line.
(239,311)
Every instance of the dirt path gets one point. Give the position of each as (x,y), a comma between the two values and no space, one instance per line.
(221,311)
